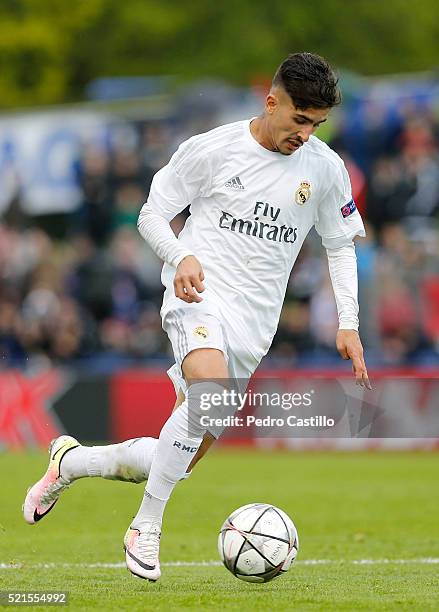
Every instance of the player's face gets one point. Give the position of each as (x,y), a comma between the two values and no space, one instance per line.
(289,127)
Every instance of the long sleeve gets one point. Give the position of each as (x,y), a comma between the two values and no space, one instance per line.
(342,264)
(157,232)
(186,177)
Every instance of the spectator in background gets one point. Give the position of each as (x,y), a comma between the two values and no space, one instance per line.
(399,277)
(389,191)
(95,214)
(126,208)
(156,145)
(11,349)
(293,337)
(421,163)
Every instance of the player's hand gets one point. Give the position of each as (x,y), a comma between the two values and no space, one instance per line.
(188,281)
(349,346)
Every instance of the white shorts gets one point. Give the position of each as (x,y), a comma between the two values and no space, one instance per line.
(195,326)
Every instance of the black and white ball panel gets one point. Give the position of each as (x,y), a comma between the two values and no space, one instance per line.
(258,542)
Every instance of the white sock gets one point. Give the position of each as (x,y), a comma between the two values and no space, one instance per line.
(129,461)
(74,463)
(178,443)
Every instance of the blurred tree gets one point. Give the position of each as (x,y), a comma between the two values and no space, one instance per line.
(50,49)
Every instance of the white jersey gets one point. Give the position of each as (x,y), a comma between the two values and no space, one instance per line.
(250,211)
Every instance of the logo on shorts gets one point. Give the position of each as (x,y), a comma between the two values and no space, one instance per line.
(201,332)
(303,193)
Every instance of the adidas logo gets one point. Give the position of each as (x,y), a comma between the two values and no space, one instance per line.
(234,183)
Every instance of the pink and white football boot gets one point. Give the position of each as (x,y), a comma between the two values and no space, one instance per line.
(142,551)
(44,494)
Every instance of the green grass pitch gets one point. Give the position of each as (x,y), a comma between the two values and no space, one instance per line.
(368,526)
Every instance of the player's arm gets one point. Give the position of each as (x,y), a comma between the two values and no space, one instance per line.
(172,189)
(338,222)
(342,264)
(189,275)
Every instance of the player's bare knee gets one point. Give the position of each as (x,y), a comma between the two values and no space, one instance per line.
(205,363)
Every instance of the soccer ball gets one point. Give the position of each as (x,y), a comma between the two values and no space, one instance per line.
(258,542)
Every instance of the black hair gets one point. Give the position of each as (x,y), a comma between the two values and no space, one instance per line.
(309,81)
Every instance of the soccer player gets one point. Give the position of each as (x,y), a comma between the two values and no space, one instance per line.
(255,189)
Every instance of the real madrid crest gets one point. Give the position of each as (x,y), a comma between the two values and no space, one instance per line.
(303,193)
(201,332)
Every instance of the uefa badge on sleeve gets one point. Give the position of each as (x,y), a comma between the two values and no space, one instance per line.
(303,193)
(348,209)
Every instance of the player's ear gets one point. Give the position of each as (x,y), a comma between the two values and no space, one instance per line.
(271,103)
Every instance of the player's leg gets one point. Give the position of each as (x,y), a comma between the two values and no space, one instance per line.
(179,440)
(129,461)
(69,460)
(240,367)
(208,439)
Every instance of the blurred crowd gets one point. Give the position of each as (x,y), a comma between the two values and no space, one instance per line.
(83,288)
